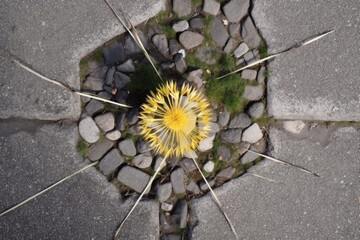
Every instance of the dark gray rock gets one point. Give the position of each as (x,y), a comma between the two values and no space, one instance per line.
(113,135)
(110,76)
(188,165)
(180,214)
(132,116)
(249,57)
(110,162)
(172,236)
(92,83)
(182,8)
(206,54)
(133,178)
(214,128)
(157,162)
(211,7)
(121,96)
(127,147)
(261,75)
(249,34)
(108,89)
(230,45)
(164,191)
(256,110)
(235,10)
(120,121)
(142,146)
(161,43)
(143,160)
(126,67)
(231,135)
(180,26)
(190,39)
(241,50)
(104,94)
(241,120)
(224,117)
(252,134)
(98,149)
(218,33)
(121,80)
(177,178)
(105,121)
(249,74)
(234,30)
(204,186)
(197,23)
(94,106)
(114,53)
(180,63)
(253,93)
(174,46)
(193,188)
(131,46)
(225,174)
(224,153)
(88,130)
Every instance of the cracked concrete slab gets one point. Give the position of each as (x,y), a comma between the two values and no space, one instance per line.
(300,206)
(52,38)
(319,81)
(34,155)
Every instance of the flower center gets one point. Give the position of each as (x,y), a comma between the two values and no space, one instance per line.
(175,119)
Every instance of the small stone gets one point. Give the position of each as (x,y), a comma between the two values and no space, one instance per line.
(142,146)
(126,67)
(157,162)
(249,74)
(248,156)
(249,57)
(252,134)
(167,207)
(209,166)
(204,186)
(218,33)
(213,116)
(214,128)
(120,121)
(94,84)
(256,110)
(180,63)
(121,80)
(105,121)
(261,75)
(143,160)
(241,120)
(234,30)
(211,7)
(134,130)
(88,130)
(174,46)
(180,26)
(109,89)
(230,46)
(131,46)
(132,116)
(98,149)
(224,118)
(193,188)
(110,76)
(121,96)
(187,164)
(94,106)
(104,94)
(224,153)
(232,135)
(197,23)
(243,147)
(190,154)
(196,78)
(177,180)
(190,39)
(205,54)
(206,144)
(260,146)
(225,174)
(161,43)
(133,178)
(113,135)
(253,93)
(235,10)
(114,53)
(110,162)
(294,126)
(85,99)
(180,214)
(250,34)
(167,65)
(240,62)
(164,191)
(182,8)
(127,147)
(241,50)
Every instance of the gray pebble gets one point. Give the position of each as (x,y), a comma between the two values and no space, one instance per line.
(197,23)
(187,164)
(256,110)
(253,93)
(132,116)
(180,26)
(250,34)
(261,75)
(127,147)
(114,53)
(225,174)
(190,39)
(249,74)
(105,121)
(235,10)
(234,30)
(252,134)
(127,67)
(241,50)
(143,160)
(161,43)
(218,33)
(164,191)
(142,146)
(110,162)
(224,153)
(180,214)
(180,63)
(231,136)
(94,106)
(121,80)
(88,130)
(98,149)
(113,135)
(177,180)
(182,8)
(211,7)
(133,178)
(110,76)
(224,118)
(92,83)
(193,188)
(204,186)
(242,120)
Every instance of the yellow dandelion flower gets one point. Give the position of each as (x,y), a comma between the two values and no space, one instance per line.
(174,120)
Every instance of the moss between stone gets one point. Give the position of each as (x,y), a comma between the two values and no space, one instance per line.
(82,147)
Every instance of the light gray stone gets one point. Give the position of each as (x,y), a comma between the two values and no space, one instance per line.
(114,53)
(234,30)
(249,57)
(180,63)
(209,166)
(164,191)
(260,146)
(120,120)
(224,117)
(243,147)
(105,121)
(206,144)
(174,46)
(224,153)
(248,156)
(253,93)
(92,83)
(161,43)
(241,50)
(196,78)
(110,162)
(177,180)
(197,23)
(180,214)
(294,126)
(180,26)
(127,147)
(241,120)
(167,207)
(98,149)
(126,67)
(157,162)
(143,160)
(204,186)
(218,33)
(211,7)
(225,174)
(133,178)
(231,135)
(193,188)
(187,164)
(261,75)
(182,8)
(142,146)
(230,46)
(88,130)
(256,110)
(235,10)
(249,74)
(214,128)
(113,135)
(250,34)
(252,134)
(190,39)
(94,106)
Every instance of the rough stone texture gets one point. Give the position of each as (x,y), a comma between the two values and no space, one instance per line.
(261,75)
(121,80)
(88,130)
(317,82)
(98,149)
(143,160)
(249,57)
(235,10)
(182,8)
(188,165)
(209,166)
(177,180)
(315,208)
(48,154)
(256,110)
(131,47)
(223,153)
(252,134)
(127,67)
(180,215)
(41,40)
(180,63)
(180,26)
(224,117)
(204,186)
(234,30)
(241,50)
(127,147)
(161,43)
(133,178)
(109,79)
(142,146)
(113,135)
(248,156)
(105,121)
(231,135)
(241,120)
(206,144)
(114,53)
(190,39)
(193,187)
(218,32)
(225,173)
(294,126)
(197,23)
(205,54)
(92,83)
(164,191)
(250,34)
(196,78)
(94,106)
(211,7)
(249,74)
(253,93)
(110,162)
